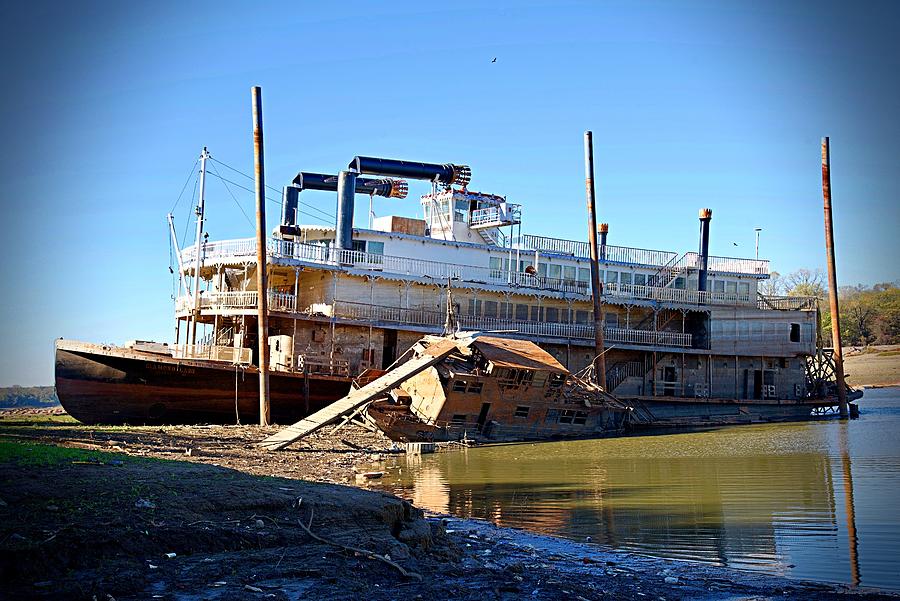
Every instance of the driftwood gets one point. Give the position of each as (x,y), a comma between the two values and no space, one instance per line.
(364,552)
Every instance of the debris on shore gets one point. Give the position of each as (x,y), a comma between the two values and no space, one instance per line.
(97,514)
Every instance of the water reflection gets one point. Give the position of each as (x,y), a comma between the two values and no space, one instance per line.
(760,497)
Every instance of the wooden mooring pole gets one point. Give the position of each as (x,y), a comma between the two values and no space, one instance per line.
(261,262)
(596,286)
(832,280)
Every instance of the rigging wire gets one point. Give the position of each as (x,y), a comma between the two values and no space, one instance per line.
(184,187)
(188,220)
(272,200)
(306,204)
(233,197)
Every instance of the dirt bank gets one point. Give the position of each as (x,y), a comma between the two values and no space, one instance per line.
(875,366)
(77,522)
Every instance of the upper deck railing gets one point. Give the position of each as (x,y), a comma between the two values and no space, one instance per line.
(244,250)
(617,254)
(646,257)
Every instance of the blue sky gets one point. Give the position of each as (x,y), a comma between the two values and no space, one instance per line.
(692,104)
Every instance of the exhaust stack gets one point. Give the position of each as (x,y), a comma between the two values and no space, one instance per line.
(386,187)
(447,174)
(705,218)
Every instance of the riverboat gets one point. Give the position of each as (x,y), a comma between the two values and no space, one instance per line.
(691,338)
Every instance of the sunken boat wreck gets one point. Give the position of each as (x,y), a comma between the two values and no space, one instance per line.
(691,339)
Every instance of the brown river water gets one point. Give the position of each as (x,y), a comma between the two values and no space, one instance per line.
(813,500)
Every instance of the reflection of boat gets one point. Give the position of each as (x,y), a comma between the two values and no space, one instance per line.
(497,389)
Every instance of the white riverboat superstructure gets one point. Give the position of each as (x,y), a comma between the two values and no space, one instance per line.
(682,343)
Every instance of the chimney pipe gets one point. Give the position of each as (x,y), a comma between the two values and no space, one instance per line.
(705,218)
(387,187)
(346,189)
(603,228)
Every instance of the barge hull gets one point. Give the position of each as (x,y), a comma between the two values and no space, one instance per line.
(108,385)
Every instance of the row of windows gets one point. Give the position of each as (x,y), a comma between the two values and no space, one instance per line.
(523,312)
(566,416)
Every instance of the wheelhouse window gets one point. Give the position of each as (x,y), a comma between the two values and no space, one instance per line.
(640,279)
(795,332)
(475,387)
(459,385)
(522,411)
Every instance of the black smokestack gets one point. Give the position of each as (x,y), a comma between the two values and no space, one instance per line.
(705,218)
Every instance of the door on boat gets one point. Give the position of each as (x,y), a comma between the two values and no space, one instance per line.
(757,384)
(482,417)
(389,349)
(670,378)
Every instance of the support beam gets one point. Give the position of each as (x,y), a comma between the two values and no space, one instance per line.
(261,262)
(832,280)
(596,289)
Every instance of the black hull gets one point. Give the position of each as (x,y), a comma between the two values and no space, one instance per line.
(102,385)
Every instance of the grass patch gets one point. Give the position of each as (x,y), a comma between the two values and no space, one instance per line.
(889,353)
(11,418)
(32,454)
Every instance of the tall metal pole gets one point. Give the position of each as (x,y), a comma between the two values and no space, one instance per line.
(261,263)
(596,287)
(758,230)
(198,255)
(832,280)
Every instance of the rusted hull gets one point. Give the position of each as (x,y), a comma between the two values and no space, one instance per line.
(109,387)
(401,425)
(676,412)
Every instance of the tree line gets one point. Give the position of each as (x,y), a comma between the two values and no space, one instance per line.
(869,315)
(28,396)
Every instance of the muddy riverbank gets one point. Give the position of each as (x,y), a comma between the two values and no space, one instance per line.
(199,513)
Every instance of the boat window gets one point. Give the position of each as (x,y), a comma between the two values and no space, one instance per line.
(719,286)
(542,270)
(474,306)
(744,289)
(795,332)
(625,278)
(565,416)
(552,314)
(679,283)
(522,312)
(524,377)
(640,279)
(475,387)
(555,272)
(580,418)
(584,274)
(540,379)
(375,248)
(490,308)
(537,314)
(359,246)
(731,287)
(569,272)
(612,277)
(496,267)
(458,419)
(581,317)
(611,320)
(556,380)
(522,411)
(459,385)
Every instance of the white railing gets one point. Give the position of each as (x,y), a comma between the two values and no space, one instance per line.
(223,249)
(211,352)
(436,270)
(675,295)
(728,264)
(496,216)
(420,317)
(787,303)
(610,253)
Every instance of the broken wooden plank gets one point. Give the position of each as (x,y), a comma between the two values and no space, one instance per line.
(356,398)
